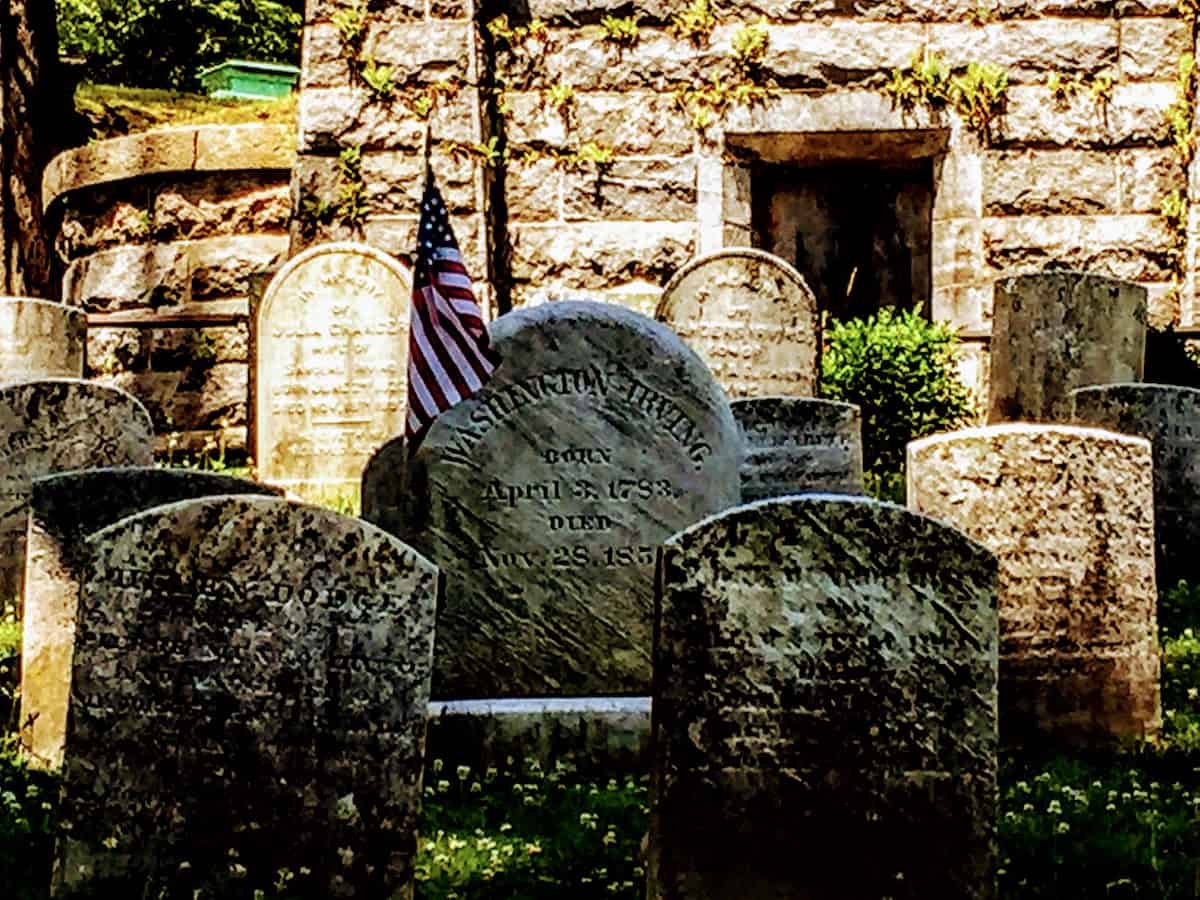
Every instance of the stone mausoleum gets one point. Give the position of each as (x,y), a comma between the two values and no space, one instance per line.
(905,152)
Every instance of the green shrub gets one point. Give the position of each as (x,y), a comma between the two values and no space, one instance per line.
(901,369)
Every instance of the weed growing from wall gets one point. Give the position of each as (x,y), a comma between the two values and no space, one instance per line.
(622,32)
(750,45)
(695,24)
(349,205)
(978,93)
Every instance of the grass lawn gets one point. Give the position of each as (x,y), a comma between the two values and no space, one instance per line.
(1120,826)
(114,111)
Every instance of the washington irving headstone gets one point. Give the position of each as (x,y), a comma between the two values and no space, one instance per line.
(544,497)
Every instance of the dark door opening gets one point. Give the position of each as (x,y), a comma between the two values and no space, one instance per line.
(859,233)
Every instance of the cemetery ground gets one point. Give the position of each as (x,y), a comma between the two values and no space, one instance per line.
(1081,827)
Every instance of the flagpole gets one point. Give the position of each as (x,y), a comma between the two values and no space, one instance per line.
(426,153)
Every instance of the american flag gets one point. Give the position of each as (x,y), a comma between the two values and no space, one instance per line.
(449,358)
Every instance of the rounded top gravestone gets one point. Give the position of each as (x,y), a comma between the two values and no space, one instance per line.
(64,509)
(40,339)
(330,379)
(385,491)
(53,426)
(824,677)
(1058,330)
(752,318)
(250,681)
(799,445)
(1169,416)
(544,497)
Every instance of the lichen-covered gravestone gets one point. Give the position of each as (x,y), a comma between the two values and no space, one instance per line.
(1056,331)
(55,426)
(386,495)
(63,510)
(249,691)
(1169,417)
(799,446)
(544,497)
(753,320)
(1070,514)
(824,707)
(40,339)
(330,378)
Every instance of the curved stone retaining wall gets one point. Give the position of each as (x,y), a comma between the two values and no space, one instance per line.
(161,237)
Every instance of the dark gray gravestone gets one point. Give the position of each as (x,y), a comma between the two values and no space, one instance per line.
(63,510)
(386,495)
(1058,330)
(799,446)
(1169,417)
(544,498)
(250,685)
(824,707)
(55,426)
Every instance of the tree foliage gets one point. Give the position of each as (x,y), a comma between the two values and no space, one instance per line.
(165,43)
(901,369)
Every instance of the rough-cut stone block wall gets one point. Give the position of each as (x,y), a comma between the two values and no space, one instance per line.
(423,46)
(1076,180)
(161,237)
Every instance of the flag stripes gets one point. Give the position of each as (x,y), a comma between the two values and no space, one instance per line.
(449,357)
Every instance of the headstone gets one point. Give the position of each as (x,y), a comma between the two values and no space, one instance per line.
(1070,514)
(386,496)
(824,707)
(752,318)
(1055,331)
(331,347)
(249,689)
(55,426)
(544,498)
(39,339)
(1169,417)
(63,510)
(799,446)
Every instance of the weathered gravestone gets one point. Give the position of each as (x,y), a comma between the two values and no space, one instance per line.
(55,426)
(250,686)
(63,510)
(1169,417)
(544,497)
(39,339)
(330,381)
(386,495)
(1055,331)
(1070,514)
(824,707)
(799,446)
(752,318)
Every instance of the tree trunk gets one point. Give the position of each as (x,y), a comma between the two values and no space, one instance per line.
(33,112)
